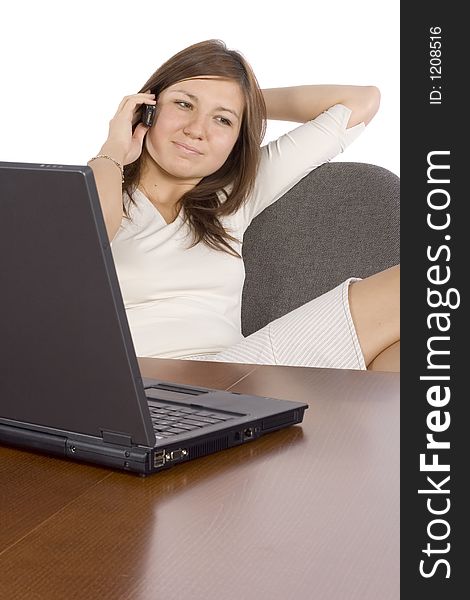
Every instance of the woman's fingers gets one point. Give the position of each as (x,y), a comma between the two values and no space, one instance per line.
(139,133)
(128,143)
(131,102)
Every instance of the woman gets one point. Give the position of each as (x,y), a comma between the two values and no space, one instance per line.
(198,171)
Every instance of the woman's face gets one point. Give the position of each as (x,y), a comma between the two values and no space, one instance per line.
(203,113)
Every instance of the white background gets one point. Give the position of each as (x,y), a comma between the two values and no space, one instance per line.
(65,67)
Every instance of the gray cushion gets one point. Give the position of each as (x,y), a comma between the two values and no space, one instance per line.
(340,221)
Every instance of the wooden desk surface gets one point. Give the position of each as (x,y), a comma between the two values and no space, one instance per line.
(310,512)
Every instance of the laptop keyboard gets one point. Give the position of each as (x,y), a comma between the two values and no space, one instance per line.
(171,419)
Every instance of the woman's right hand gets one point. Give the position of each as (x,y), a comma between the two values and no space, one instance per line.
(124,144)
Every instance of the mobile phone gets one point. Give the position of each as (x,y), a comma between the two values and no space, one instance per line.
(148,114)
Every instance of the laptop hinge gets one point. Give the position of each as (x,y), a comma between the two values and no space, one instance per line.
(121,439)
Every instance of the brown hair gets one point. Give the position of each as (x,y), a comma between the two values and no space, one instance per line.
(202,206)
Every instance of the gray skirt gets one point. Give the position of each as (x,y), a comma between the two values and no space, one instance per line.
(320,333)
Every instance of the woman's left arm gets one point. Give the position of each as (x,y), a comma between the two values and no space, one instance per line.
(303,103)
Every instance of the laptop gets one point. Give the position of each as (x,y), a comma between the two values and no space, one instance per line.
(70,383)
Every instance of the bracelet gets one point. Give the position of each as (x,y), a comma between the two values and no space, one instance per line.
(114,161)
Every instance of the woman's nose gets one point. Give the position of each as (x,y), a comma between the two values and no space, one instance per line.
(195,126)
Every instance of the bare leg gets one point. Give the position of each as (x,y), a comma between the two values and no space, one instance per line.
(387,360)
(375,310)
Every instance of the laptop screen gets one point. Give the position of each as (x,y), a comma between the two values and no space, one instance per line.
(67,356)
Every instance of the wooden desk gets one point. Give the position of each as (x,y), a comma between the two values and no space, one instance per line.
(310,512)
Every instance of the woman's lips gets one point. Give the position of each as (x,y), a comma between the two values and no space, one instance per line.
(186,149)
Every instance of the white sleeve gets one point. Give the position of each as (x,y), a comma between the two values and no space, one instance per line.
(287,160)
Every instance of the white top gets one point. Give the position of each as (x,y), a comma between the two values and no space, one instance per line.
(182,301)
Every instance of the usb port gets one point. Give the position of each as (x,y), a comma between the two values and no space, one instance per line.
(159,459)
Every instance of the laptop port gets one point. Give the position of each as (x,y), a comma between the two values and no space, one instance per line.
(248,433)
(177,454)
(159,459)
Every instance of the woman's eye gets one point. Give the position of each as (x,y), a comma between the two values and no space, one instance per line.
(189,105)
